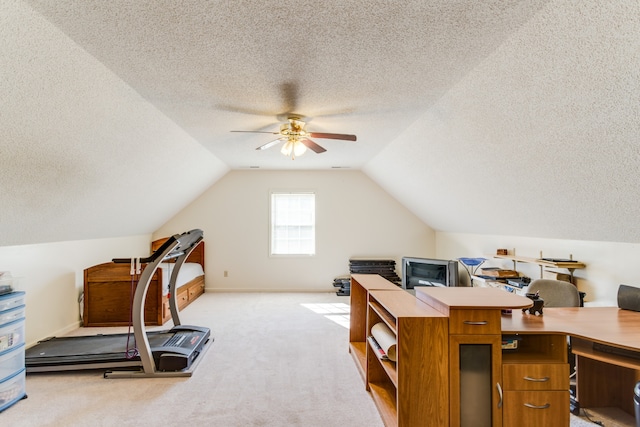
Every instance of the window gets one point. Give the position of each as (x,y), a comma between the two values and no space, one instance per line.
(293,224)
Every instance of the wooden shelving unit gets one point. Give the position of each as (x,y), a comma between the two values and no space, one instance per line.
(571,266)
(361,285)
(413,390)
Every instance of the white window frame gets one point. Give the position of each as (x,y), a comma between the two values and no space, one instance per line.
(294,248)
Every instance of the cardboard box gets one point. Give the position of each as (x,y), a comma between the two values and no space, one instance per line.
(499,272)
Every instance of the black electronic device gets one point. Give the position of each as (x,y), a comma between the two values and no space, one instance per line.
(429,272)
(519,282)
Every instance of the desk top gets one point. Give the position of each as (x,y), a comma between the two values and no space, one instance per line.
(608,325)
(462,298)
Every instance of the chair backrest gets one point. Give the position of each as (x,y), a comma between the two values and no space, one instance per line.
(556,293)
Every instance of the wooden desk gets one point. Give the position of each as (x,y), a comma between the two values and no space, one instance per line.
(452,370)
(602,379)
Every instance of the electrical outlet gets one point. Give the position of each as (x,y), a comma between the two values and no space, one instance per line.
(226,273)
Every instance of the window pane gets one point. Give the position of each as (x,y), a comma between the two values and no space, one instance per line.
(293,223)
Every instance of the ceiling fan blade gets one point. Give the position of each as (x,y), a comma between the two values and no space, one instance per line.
(342,136)
(256,131)
(312,145)
(270,144)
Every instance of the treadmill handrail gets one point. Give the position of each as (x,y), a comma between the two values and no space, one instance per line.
(173,289)
(181,246)
(186,242)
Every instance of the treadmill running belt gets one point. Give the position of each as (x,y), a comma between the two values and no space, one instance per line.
(87,349)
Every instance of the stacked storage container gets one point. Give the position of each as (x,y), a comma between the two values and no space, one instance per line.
(12,371)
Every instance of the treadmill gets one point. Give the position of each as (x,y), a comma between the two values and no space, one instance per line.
(171,353)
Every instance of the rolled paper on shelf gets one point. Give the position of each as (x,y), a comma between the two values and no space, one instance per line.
(385,338)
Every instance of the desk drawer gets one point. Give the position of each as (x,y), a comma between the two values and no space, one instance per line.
(465,322)
(535,376)
(536,409)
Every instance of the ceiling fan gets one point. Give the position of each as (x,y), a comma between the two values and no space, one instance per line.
(298,138)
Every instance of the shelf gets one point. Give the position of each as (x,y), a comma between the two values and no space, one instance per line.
(384,397)
(538,348)
(569,265)
(358,351)
(389,368)
(585,349)
(384,315)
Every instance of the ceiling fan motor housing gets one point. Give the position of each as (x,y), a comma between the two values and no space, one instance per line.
(295,128)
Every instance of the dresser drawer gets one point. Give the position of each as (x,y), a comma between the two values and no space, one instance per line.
(182,299)
(535,409)
(463,322)
(195,291)
(535,376)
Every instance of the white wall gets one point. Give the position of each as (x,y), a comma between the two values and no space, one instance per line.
(608,264)
(354,217)
(52,275)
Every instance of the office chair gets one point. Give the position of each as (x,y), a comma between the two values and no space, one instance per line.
(555,293)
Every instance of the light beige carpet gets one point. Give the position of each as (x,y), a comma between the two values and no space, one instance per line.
(274,362)
(278,360)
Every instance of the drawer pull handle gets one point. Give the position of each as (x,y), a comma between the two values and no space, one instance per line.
(545,406)
(537,380)
(480,323)
(500,394)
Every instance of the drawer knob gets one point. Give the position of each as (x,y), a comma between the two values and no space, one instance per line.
(478,323)
(532,406)
(537,380)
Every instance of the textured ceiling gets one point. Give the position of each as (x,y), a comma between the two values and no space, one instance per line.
(363,67)
(540,139)
(463,110)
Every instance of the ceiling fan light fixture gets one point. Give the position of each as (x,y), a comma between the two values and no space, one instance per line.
(293,148)
(298,139)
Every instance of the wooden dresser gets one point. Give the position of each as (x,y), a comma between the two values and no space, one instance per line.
(108,293)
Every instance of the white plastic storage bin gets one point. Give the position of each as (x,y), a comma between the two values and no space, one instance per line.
(11,335)
(11,300)
(12,314)
(11,361)
(12,389)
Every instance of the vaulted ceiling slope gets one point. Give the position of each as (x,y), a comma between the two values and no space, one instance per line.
(494,116)
(83,154)
(540,139)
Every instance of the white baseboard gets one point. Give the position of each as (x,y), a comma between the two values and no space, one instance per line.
(58,333)
(296,290)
